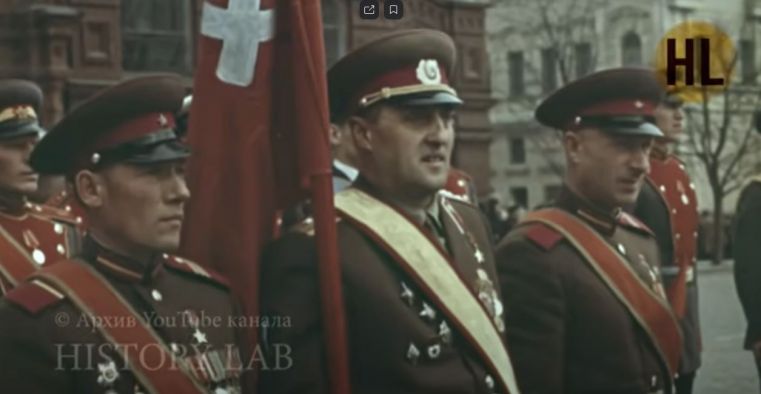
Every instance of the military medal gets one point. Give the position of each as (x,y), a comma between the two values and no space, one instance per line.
(407,295)
(428,312)
(413,353)
(655,281)
(193,320)
(477,253)
(199,336)
(489,299)
(434,351)
(31,242)
(445,333)
(484,286)
(108,375)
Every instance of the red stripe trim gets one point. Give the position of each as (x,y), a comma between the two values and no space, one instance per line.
(134,129)
(620,107)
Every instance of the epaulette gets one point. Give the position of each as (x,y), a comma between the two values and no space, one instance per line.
(34,296)
(54,213)
(454,197)
(543,235)
(629,221)
(186,266)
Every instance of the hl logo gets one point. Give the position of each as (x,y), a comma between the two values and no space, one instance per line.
(695,59)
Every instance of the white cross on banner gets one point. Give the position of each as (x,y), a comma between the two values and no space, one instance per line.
(241,27)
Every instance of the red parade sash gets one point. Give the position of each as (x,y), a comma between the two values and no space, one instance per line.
(15,262)
(430,267)
(651,311)
(156,367)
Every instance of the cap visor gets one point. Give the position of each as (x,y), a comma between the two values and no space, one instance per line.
(436,98)
(166,151)
(32,128)
(644,129)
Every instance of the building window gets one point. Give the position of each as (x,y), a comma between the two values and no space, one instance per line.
(631,49)
(748,61)
(549,70)
(517,151)
(156,35)
(582,54)
(334,30)
(520,196)
(515,63)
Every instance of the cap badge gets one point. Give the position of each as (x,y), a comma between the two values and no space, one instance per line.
(428,72)
(22,112)
(25,112)
(162,120)
(638,104)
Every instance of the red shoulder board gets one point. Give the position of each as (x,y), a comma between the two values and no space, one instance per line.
(543,235)
(187,266)
(34,296)
(630,221)
(54,213)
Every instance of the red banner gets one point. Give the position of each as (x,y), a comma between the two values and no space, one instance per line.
(259,134)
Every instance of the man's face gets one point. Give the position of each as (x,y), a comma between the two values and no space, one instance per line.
(669,118)
(410,148)
(16,175)
(142,205)
(608,168)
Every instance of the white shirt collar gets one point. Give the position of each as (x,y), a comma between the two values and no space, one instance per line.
(350,171)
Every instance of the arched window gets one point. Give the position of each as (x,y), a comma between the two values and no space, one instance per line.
(156,35)
(334,26)
(631,49)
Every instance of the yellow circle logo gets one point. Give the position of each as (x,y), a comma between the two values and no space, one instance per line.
(695,60)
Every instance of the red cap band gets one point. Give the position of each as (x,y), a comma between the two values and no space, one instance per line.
(128,131)
(620,107)
(134,129)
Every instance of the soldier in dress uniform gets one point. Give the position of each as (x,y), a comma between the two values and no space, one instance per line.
(31,235)
(668,205)
(126,316)
(747,254)
(423,311)
(585,311)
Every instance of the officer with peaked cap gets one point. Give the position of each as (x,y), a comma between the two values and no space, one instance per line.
(584,308)
(31,235)
(126,316)
(423,311)
(668,205)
